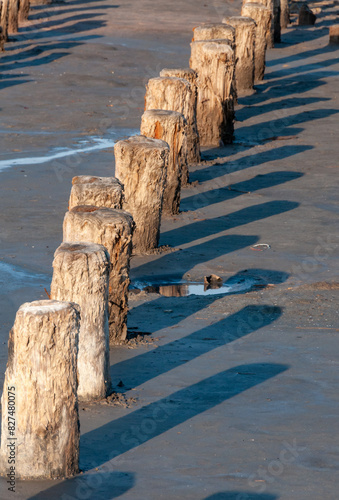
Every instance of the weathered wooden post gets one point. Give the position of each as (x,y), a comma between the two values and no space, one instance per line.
(97,191)
(218,31)
(81,275)
(214,31)
(214,63)
(262,16)
(244,52)
(176,94)
(24,6)
(141,165)
(284,14)
(273,35)
(169,126)
(334,35)
(113,229)
(40,421)
(13,16)
(193,143)
(4,13)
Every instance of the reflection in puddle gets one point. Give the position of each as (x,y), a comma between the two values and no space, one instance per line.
(193,288)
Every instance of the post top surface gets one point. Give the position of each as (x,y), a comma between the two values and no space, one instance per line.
(143,142)
(169,80)
(92,179)
(82,248)
(162,113)
(239,20)
(45,307)
(255,6)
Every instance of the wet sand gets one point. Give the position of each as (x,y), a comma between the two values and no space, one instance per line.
(236,394)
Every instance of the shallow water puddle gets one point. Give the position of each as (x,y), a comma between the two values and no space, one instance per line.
(13,277)
(184,289)
(85,146)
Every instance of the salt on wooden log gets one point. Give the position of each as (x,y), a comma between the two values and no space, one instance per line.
(214,63)
(218,31)
(13,16)
(244,51)
(193,143)
(169,126)
(141,165)
(81,275)
(174,94)
(24,6)
(41,384)
(97,191)
(113,229)
(284,14)
(262,17)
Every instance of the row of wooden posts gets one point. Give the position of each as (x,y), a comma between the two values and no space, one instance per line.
(59,348)
(12,14)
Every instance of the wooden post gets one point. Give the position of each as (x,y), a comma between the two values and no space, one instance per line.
(214,31)
(193,143)
(176,94)
(13,16)
(24,6)
(4,14)
(81,275)
(97,191)
(218,31)
(284,14)
(170,127)
(273,34)
(141,165)
(334,35)
(262,16)
(41,386)
(214,63)
(113,229)
(244,52)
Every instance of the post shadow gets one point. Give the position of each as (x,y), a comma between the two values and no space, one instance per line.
(210,227)
(176,264)
(288,103)
(305,68)
(144,367)
(100,486)
(241,495)
(150,421)
(126,433)
(226,193)
(301,56)
(283,126)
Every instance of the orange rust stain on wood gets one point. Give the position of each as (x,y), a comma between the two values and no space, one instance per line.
(158,132)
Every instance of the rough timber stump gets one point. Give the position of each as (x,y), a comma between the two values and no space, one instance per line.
(262,16)
(81,275)
(42,374)
(97,191)
(169,126)
(13,16)
(218,31)
(176,94)
(4,13)
(141,164)
(214,63)
(273,35)
(23,10)
(214,31)
(113,229)
(284,14)
(193,143)
(244,51)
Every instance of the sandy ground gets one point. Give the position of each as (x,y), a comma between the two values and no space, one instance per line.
(235,395)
